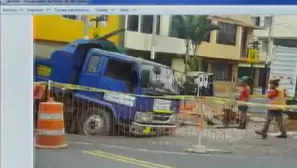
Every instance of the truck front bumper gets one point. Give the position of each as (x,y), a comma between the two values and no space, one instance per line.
(148,129)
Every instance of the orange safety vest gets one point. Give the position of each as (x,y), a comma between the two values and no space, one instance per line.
(38,91)
(278,100)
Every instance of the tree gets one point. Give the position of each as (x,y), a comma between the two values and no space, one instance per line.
(193,29)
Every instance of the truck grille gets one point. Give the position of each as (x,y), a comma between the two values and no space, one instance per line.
(161,117)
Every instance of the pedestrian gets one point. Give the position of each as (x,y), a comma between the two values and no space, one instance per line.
(276,96)
(243,96)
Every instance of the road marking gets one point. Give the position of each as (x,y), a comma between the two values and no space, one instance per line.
(80,143)
(180,153)
(125,159)
(144,150)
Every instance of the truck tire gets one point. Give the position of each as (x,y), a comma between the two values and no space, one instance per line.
(96,122)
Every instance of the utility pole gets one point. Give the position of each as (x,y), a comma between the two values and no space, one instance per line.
(268,52)
(85,26)
(153,37)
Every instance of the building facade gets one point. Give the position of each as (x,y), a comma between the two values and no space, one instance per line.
(54,31)
(221,53)
(283,31)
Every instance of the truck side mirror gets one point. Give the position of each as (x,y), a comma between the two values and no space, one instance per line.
(145,78)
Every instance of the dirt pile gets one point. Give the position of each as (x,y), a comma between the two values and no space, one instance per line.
(188,117)
(290,125)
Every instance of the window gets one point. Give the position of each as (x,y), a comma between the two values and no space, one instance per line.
(122,71)
(93,64)
(264,46)
(255,21)
(147,24)
(222,72)
(119,70)
(132,22)
(227,34)
(73,17)
(207,36)
(173,30)
(267,21)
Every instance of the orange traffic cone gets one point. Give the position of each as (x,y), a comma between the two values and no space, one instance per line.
(50,126)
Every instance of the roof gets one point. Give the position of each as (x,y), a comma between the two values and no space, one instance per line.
(70,48)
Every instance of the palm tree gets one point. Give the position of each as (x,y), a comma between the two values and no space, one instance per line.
(193,29)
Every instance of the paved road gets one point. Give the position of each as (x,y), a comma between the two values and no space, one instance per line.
(167,152)
(255,108)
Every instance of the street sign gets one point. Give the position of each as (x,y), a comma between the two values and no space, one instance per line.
(252,55)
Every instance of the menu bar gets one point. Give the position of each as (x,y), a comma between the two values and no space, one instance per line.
(144,10)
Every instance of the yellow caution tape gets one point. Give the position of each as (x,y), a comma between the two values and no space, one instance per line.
(91,89)
(223,101)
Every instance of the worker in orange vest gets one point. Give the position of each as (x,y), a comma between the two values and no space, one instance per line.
(276,96)
(243,95)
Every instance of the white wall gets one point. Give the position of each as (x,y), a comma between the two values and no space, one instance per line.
(284,26)
(142,41)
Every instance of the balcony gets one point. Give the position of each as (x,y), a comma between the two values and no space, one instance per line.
(142,41)
(165,44)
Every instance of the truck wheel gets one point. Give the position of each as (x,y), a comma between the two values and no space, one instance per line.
(96,122)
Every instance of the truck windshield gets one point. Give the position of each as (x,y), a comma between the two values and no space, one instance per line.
(166,77)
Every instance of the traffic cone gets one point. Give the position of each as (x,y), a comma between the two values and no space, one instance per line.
(50,126)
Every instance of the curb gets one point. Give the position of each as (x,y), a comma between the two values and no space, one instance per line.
(208,151)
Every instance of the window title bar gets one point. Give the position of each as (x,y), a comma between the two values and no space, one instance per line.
(149,2)
(147,10)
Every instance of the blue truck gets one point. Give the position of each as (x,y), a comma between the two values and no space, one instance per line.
(132,87)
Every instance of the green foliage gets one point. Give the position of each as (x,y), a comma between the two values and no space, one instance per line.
(194,29)
(193,64)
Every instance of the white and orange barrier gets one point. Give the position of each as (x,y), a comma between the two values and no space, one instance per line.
(50,126)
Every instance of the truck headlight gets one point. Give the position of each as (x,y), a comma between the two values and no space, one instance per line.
(143,116)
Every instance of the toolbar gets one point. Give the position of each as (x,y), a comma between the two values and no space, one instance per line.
(144,10)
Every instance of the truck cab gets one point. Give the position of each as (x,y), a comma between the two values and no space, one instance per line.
(129,92)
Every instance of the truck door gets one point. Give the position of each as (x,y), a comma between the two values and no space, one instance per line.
(90,74)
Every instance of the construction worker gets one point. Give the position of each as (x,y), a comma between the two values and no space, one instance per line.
(243,96)
(276,96)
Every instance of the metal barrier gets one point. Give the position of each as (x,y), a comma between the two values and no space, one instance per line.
(197,118)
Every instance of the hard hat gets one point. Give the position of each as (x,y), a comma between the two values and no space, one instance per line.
(274,80)
(244,79)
